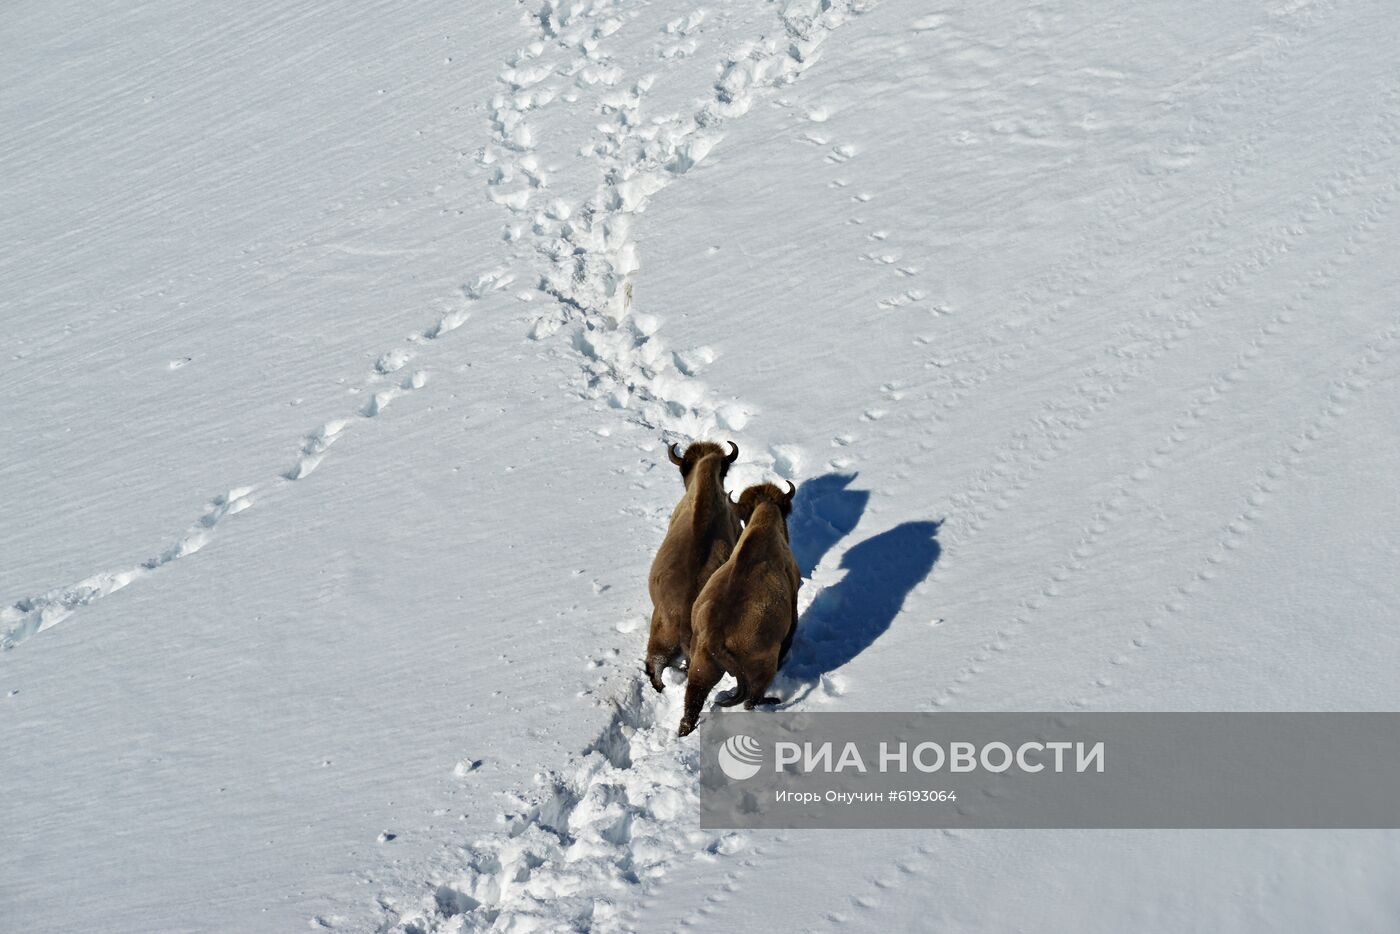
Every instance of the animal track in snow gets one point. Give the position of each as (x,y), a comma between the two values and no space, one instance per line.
(686,25)
(381,399)
(843,153)
(907,297)
(612,816)
(314,448)
(1130,205)
(32,615)
(29,615)
(1254,505)
(392,361)
(680,33)
(993,484)
(1015,464)
(592,259)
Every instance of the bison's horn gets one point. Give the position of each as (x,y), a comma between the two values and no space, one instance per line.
(792,491)
(675,458)
(733,455)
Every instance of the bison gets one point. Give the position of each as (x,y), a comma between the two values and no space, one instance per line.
(701,535)
(746,614)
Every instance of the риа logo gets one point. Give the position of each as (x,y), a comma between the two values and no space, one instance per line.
(740,757)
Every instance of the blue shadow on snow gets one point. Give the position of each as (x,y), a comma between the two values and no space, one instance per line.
(847,617)
(824,511)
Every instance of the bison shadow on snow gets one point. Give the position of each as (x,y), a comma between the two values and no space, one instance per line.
(824,511)
(847,617)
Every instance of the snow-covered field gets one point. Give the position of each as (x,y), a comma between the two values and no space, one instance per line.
(342,343)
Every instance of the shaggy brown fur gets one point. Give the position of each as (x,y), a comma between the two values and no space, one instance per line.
(746,614)
(701,536)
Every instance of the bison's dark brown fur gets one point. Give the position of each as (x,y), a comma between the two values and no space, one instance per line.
(701,536)
(746,614)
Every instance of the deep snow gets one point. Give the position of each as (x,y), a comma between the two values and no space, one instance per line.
(343,345)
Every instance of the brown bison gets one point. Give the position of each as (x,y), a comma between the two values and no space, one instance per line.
(702,533)
(746,614)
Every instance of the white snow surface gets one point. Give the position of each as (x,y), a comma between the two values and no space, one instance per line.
(342,343)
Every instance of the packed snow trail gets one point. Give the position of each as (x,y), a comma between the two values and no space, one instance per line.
(615,816)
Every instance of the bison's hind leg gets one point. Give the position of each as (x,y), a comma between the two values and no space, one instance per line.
(704,674)
(654,665)
(662,650)
(734,695)
(731,664)
(758,676)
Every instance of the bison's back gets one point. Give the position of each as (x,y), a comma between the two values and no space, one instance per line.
(687,558)
(747,600)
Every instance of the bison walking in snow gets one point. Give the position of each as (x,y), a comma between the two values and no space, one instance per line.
(700,538)
(746,614)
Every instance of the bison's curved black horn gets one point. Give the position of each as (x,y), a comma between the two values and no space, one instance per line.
(733,455)
(675,458)
(792,491)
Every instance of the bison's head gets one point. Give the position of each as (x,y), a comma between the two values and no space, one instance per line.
(698,452)
(751,498)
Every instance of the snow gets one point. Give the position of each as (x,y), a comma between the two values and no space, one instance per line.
(343,348)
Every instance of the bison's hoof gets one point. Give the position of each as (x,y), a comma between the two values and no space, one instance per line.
(687,726)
